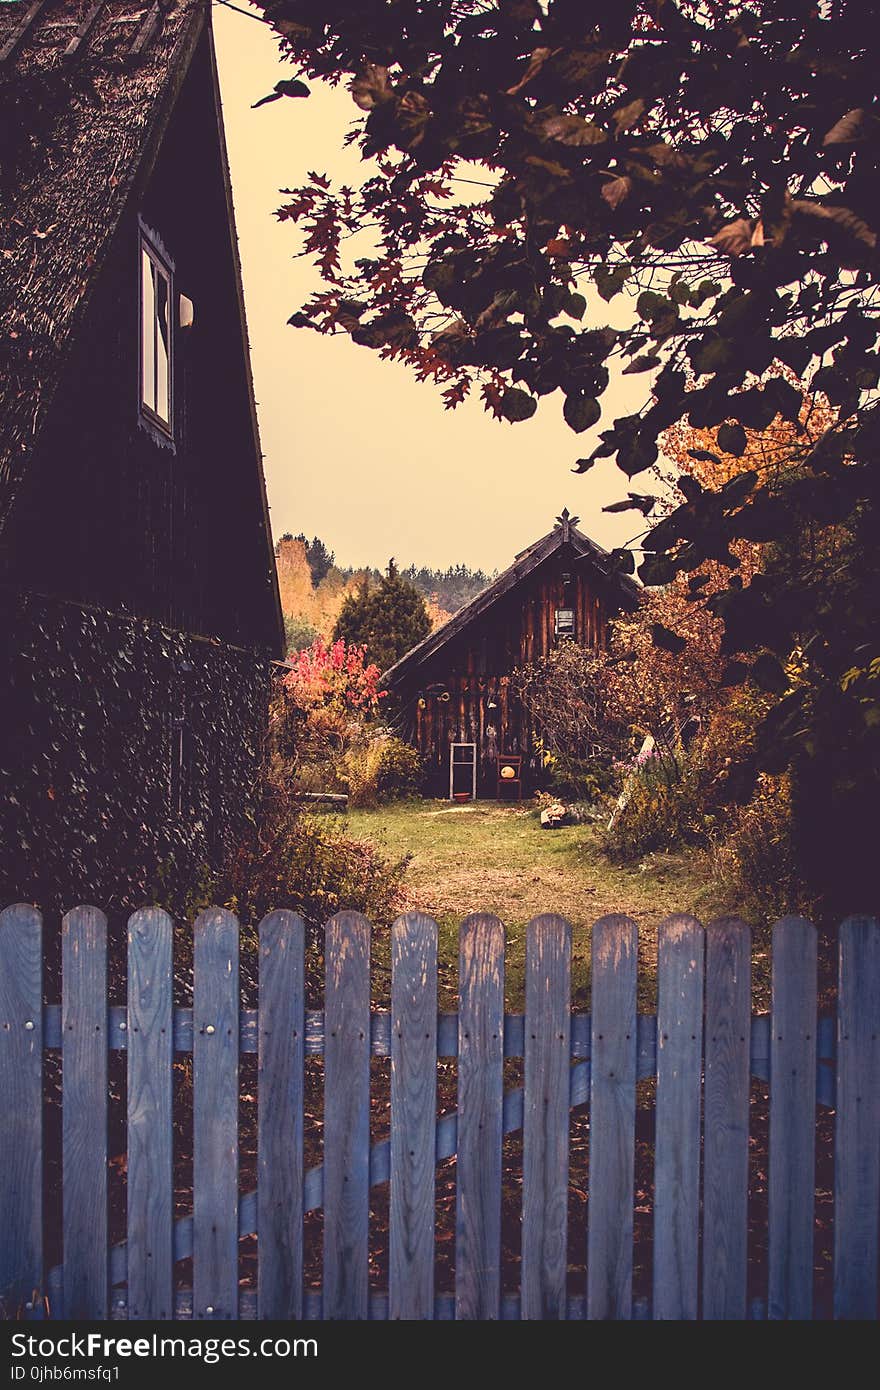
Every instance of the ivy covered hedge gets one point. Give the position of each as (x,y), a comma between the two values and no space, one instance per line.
(130,756)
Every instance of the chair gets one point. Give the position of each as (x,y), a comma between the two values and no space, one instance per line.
(509,776)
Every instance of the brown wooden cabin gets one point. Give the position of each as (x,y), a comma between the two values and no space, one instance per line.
(139,612)
(454,687)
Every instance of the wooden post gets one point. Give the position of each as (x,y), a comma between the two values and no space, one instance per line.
(546,1118)
(677,1146)
(21,1120)
(792,1192)
(84,1122)
(413,1115)
(480,1118)
(215,1115)
(726,1127)
(150,1132)
(346,1116)
(612,1119)
(857,1131)
(280,1116)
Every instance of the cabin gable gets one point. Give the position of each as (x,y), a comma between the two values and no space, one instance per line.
(455,687)
(114,510)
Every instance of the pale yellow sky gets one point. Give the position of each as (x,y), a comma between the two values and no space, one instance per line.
(356,450)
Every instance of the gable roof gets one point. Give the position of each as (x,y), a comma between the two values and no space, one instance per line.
(86,93)
(564,533)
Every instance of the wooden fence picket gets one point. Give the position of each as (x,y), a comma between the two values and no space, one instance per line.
(84,1112)
(702,1049)
(792,1120)
(612,1119)
(346,1116)
(480,1119)
(677,1144)
(546,1118)
(413,1117)
(726,1123)
(150,1133)
(280,1103)
(857,1133)
(215,1114)
(21,1086)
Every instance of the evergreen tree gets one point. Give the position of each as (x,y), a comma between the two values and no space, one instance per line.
(319,557)
(387,618)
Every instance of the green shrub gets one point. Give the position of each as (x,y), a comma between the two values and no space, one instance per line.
(308,864)
(755,856)
(658,810)
(380,768)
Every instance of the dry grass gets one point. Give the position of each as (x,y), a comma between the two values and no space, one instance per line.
(490,857)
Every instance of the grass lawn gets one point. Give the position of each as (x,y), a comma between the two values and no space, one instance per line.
(490,857)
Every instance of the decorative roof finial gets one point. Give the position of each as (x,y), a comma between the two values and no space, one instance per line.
(566,521)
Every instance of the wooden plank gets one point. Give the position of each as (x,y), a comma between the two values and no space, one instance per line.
(677,1145)
(84,1111)
(77,47)
(726,1127)
(480,1118)
(546,1118)
(792,1120)
(612,1119)
(346,1116)
(215,1114)
(413,1115)
(150,1217)
(146,33)
(21,1118)
(20,33)
(280,1116)
(857,1130)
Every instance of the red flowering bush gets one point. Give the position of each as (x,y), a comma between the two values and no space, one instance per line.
(334,675)
(327,732)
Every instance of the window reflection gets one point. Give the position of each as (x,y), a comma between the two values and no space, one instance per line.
(155,337)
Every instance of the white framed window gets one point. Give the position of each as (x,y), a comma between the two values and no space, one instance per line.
(157,340)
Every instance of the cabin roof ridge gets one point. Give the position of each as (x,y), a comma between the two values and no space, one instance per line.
(565,532)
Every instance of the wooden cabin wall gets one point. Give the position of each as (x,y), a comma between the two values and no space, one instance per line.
(475,668)
(108,514)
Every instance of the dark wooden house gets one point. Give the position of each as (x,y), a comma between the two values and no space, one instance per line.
(453,689)
(139,612)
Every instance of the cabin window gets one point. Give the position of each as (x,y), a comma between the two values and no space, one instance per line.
(564,625)
(156,337)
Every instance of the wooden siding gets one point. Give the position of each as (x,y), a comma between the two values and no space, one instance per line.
(108,513)
(476,665)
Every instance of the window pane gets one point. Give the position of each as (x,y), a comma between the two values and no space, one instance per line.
(148,332)
(163,403)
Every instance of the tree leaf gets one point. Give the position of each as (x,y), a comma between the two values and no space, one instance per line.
(667,640)
(580,412)
(626,117)
(635,501)
(735,238)
(646,363)
(537,59)
(289,87)
(572,130)
(732,439)
(847,130)
(574,305)
(768,673)
(615,191)
(517,405)
(610,282)
(371,88)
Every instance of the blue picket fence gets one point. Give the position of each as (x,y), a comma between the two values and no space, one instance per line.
(703,1049)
